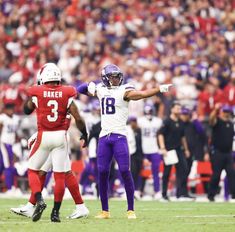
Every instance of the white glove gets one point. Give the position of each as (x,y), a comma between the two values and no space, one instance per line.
(165,88)
(92,88)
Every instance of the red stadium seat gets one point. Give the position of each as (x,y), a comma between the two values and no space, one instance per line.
(204,167)
(204,172)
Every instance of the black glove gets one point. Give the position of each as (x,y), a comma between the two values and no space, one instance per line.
(85,138)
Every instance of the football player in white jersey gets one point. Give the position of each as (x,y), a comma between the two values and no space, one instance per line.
(114,99)
(149,125)
(9,123)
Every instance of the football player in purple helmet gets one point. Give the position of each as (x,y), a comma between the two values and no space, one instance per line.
(114,98)
(111,75)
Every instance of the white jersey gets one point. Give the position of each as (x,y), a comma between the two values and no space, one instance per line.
(9,127)
(114,109)
(149,129)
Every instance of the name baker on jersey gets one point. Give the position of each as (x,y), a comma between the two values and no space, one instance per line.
(53,94)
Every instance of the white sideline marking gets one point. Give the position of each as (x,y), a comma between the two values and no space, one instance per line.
(11,222)
(167,209)
(205,216)
(211,223)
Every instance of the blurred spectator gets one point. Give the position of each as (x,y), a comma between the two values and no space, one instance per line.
(9,124)
(207,100)
(13,93)
(187,42)
(229,90)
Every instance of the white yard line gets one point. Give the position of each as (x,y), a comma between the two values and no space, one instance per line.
(13,222)
(166,209)
(206,216)
(210,223)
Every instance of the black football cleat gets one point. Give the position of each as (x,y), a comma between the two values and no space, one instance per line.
(211,198)
(55,216)
(40,206)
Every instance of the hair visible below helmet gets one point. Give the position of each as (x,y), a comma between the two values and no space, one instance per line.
(109,71)
(50,72)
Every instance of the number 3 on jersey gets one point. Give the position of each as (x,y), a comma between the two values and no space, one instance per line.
(54,110)
(108,105)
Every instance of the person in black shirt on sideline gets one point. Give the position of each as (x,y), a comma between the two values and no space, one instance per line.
(197,141)
(196,138)
(171,137)
(221,148)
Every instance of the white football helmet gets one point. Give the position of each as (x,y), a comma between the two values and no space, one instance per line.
(50,72)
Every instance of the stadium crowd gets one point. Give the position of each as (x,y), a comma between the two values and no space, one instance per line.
(188,43)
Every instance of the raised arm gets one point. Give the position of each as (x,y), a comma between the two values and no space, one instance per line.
(213,115)
(79,123)
(138,94)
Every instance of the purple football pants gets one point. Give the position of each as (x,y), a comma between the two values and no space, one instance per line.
(7,157)
(109,146)
(155,160)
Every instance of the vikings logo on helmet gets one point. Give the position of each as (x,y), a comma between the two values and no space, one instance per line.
(111,71)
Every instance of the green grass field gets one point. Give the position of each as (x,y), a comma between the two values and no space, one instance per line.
(152,216)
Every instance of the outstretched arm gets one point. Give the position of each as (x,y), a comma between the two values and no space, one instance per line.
(88,89)
(79,122)
(137,95)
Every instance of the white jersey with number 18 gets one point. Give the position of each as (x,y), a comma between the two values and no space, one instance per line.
(114,109)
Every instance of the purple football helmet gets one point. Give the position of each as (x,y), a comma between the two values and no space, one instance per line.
(148,109)
(111,71)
